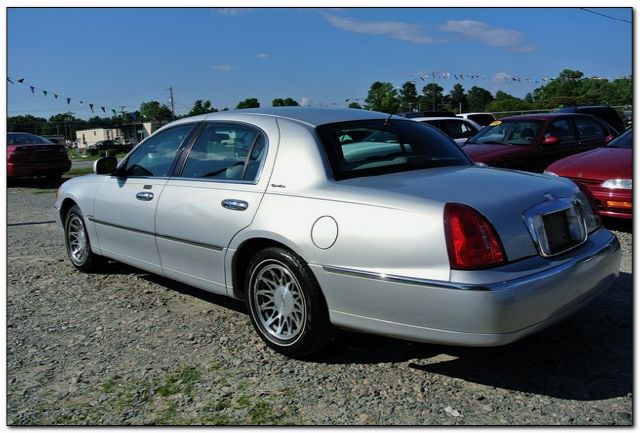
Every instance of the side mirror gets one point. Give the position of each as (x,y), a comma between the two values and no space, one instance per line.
(105,165)
(551,140)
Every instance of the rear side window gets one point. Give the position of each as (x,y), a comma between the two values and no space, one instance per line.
(18,138)
(229,152)
(589,128)
(373,147)
(561,129)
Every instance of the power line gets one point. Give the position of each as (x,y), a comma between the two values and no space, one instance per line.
(606,16)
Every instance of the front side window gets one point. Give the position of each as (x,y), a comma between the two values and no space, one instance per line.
(517,132)
(373,147)
(561,129)
(155,156)
(456,128)
(229,152)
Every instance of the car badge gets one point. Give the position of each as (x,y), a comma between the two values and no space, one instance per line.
(548,197)
(579,174)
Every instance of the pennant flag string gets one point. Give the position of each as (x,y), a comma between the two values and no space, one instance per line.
(33,89)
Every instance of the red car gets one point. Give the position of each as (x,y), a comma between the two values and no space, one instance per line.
(607,172)
(531,142)
(32,155)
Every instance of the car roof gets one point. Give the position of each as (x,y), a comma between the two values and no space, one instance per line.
(545,116)
(311,116)
(455,119)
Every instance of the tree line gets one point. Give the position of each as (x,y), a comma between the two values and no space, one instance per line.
(570,88)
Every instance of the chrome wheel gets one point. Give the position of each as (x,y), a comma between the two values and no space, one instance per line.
(77,240)
(278,302)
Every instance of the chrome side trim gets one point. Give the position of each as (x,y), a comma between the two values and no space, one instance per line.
(170,238)
(402,280)
(609,248)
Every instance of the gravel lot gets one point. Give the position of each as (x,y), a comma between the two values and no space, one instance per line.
(126,347)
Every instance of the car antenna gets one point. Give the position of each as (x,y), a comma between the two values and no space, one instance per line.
(386,122)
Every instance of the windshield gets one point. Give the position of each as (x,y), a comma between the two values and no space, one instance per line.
(373,147)
(624,141)
(517,132)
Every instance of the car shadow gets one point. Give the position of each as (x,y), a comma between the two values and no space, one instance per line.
(588,356)
(618,224)
(34,182)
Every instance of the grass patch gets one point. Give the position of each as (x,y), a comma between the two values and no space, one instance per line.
(79,171)
(179,381)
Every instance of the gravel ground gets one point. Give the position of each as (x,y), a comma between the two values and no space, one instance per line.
(126,347)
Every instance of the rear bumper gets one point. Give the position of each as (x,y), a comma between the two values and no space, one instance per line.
(489,313)
(40,168)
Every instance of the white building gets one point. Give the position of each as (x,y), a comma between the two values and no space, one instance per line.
(87,137)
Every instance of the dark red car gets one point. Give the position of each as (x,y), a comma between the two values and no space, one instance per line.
(531,142)
(32,155)
(607,172)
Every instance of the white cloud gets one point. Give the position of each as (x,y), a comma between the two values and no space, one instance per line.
(502,76)
(262,55)
(304,101)
(223,68)
(232,11)
(510,40)
(393,29)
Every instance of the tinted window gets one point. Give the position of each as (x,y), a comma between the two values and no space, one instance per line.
(590,128)
(518,132)
(225,152)
(561,129)
(155,156)
(457,128)
(373,147)
(624,141)
(482,119)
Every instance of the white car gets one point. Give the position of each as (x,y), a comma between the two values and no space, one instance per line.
(482,119)
(321,218)
(459,130)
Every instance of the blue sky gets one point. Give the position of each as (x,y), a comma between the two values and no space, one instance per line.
(115,56)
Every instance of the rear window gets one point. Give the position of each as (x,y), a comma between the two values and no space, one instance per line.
(516,132)
(24,138)
(374,147)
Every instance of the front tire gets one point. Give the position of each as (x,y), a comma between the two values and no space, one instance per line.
(286,305)
(76,240)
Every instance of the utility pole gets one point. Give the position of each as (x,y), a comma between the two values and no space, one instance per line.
(173,111)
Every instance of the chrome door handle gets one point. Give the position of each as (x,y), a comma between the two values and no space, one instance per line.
(144,196)
(234,204)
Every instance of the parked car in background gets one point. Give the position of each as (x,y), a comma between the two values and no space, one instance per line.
(460,130)
(346,218)
(482,119)
(32,155)
(434,113)
(110,145)
(608,114)
(607,172)
(531,142)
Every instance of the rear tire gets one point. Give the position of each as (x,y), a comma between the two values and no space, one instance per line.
(76,240)
(286,305)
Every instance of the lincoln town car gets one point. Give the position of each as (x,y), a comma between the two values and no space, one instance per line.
(341,218)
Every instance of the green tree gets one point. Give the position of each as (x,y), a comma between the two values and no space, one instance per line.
(26,123)
(355,105)
(408,96)
(506,102)
(289,102)
(201,107)
(382,97)
(432,98)
(478,99)
(248,103)
(153,110)
(458,100)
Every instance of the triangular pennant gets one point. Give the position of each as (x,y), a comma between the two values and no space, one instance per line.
(45,92)
(68,101)
(33,90)
(114,112)
(103,110)
(91,106)
(55,96)
(21,80)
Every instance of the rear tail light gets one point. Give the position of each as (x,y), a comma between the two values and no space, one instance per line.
(18,154)
(472,242)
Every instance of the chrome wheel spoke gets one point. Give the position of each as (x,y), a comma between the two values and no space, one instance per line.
(278,303)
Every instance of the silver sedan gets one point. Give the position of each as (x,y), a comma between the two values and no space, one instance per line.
(324,218)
